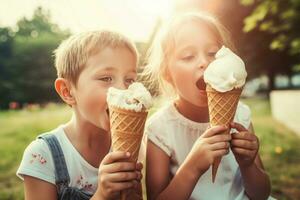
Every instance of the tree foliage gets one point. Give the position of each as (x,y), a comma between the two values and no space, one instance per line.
(27,68)
(279,22)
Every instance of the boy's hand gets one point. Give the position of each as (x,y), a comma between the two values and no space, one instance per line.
(244,145)
(210,145)
(116,174)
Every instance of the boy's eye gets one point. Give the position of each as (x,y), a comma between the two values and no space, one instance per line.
(106,79)
(129,81)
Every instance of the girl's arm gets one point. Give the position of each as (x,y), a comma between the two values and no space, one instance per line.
(208,146)
(256,181)
(36,189)
(159,183)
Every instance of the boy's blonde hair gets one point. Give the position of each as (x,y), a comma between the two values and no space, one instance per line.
(159,52)
(73,53)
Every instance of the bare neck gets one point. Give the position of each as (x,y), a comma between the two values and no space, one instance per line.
(191,111)
(91,142)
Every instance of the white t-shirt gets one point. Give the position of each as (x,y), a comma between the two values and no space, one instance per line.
(175,135)
(37,162)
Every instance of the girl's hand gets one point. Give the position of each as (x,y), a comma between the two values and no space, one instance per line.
(210,145)
(116,174)
(244,145)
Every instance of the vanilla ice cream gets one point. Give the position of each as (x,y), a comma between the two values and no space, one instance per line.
(226,72)
(136,98)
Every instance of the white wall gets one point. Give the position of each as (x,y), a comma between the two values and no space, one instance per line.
(285,106)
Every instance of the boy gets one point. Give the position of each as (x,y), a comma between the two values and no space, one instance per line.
(63,163)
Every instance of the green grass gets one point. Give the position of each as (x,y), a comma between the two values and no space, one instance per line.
(280,149)
(18,129)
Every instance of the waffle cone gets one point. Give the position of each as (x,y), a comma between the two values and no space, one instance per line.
(127,129)
(222,107)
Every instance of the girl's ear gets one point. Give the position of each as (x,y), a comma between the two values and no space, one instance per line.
(167,76)
(64,88)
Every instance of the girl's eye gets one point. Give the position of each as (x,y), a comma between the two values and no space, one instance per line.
(188,58)
(106,79)
(212,54)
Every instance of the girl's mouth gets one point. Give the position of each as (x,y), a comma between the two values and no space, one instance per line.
(201,84)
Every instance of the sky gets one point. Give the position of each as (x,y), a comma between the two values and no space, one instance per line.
(135,18)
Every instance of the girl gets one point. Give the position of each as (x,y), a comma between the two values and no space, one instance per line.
(180,142)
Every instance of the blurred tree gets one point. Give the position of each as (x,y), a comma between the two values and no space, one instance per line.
(272,28)
(6,42)
(29,71)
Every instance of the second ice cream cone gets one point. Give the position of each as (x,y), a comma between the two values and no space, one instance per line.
(222,107)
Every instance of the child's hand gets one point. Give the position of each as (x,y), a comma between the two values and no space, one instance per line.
(210,145)
(116,174)
(244,145)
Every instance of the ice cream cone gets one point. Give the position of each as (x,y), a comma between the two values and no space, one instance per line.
(222,107)
(127,128)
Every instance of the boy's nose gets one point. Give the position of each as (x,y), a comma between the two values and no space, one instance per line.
(121,85)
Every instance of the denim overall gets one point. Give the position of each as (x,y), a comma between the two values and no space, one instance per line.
(62,178)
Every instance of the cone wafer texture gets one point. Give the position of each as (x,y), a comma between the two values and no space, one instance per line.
(222,107)
(127,129)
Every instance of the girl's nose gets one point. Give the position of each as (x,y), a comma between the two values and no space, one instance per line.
(203,63)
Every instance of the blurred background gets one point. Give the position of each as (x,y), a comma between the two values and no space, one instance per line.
(265,32)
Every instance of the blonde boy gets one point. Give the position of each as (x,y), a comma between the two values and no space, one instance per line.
(74,160)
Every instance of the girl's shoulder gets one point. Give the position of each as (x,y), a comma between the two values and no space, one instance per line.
(161,115)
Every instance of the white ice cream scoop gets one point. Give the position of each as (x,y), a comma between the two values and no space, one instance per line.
(136,97)
(226,72)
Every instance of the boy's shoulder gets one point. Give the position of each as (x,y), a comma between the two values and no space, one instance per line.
(39,145)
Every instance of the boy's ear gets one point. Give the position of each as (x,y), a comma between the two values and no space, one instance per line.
(64,88)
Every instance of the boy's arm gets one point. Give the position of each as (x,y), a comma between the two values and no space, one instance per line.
(36,189)
(159,185)
(256,180)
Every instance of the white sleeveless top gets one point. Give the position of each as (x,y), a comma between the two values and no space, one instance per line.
(175,135)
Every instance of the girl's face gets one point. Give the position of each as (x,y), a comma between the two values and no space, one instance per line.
(195,47)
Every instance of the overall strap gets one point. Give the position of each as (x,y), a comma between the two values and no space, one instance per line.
(62,177)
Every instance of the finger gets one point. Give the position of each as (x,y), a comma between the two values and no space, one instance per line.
(237,126)
(244,144)
(244,135)
(214,130)
(124,176)
(219,146)
(219,138)
(119,186)
(115,156)
(220,153)
(243,152)
(119,167)
(139,166)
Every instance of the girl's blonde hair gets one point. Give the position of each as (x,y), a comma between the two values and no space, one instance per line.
(163,43)
(73,53)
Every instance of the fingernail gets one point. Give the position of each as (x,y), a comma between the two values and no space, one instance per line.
(127,154)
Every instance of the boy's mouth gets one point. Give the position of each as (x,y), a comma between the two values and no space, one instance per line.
(201,85)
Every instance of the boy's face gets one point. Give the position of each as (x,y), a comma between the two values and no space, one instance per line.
(110,67)
(195,48)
